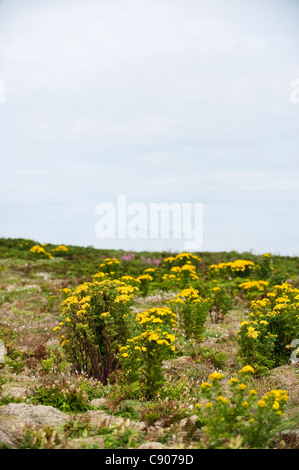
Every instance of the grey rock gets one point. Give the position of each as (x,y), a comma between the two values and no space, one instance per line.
(38,415)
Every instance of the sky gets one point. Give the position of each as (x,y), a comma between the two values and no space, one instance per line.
(162,101)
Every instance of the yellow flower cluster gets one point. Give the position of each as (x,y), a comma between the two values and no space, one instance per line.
(247,398)
(189,295)
(157,315)
(254,285)
(78,308)
(60,248)
(182,258)
(235,267)
(275,398)
(157,324)
(39,250)
(272,323)
(187,270)
(109,262)
(145,277)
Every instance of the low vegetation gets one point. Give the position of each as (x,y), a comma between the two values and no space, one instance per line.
(190,350)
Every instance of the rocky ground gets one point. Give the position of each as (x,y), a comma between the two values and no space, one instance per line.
(28,313)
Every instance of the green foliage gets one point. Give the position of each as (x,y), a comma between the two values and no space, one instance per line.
(44,438)
(221,304)
(273,323)
(143,356)
(217,358)
(63,395)
(236,411)
(191,311)
(126,439)
(97,322)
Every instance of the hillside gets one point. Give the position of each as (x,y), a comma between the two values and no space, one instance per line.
(229,310)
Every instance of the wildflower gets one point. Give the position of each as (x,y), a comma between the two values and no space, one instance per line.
(242,387)
(205,385)
(233,381)
(105,314)
(262,403)
(222,399)
(246,369)
(216,376)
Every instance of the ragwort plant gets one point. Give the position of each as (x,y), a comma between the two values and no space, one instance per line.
(273,323)
(143,356)
(96,322)
(221,302)
(238,268)
(237,411)
(192,311)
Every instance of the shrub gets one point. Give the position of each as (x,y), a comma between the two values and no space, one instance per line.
(221,303)
(65,396)
(273,323)
(40,252)
(97,321)
(238,268)
(238,412)
(142,357)
(192,311)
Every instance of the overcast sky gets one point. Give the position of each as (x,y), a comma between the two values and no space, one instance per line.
(185,101)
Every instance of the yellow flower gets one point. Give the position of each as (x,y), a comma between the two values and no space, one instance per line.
(105,314)
(205,385)
(216,376)
(262,403)
(125,355)
(276,405)
(253,392)
(246,369)
(209,404)
(242,387)
(232,381)
(222,399)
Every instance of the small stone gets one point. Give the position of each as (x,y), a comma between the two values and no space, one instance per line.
(151,445)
